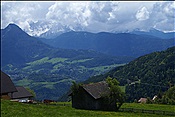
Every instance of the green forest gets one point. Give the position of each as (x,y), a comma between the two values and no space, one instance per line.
(146,76)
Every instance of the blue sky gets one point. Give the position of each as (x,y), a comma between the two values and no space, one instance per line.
(90,16)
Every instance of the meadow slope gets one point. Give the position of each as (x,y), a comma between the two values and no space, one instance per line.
(9,109)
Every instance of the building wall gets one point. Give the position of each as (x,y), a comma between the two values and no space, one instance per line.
(84,100)
(5,96)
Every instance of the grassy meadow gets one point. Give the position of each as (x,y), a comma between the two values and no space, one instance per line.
(150,106)
(15,109)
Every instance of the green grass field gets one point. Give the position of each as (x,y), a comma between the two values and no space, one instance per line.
(15,109)
(150,106)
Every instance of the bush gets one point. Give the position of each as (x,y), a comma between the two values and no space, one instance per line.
(116,96)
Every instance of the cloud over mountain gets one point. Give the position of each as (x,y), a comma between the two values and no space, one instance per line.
(142,14)
(88,16)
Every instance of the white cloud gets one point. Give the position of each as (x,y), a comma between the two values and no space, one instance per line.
(71,14)
(88,16)
(142,14)
(162,17)
(21,13)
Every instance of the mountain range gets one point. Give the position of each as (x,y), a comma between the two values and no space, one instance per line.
(121,44)
(155,33)
(49,30)
(46,65)
(43,68)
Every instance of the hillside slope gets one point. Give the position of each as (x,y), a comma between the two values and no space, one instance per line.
(9,109)
(18,47)
(146,76)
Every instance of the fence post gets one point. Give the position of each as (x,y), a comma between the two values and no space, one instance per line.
(153,112)
(132,110)
(147,111)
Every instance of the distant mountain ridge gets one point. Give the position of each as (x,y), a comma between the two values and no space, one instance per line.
(155,33)
(20,48)
(122,44)
(45,69)
(49,30)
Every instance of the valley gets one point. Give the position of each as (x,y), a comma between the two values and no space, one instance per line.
(87,59)
(45,68)
(47,75)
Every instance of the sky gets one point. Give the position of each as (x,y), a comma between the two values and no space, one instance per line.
(89,16)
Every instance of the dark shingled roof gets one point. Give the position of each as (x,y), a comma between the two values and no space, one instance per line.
(7,85)
(22,93)
(97,90)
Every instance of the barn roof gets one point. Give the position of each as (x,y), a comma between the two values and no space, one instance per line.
(22,93)
(97,90)
(7,85)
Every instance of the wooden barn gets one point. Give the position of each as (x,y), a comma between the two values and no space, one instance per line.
(90,97)
(21,95)
(9,91)
(7,86)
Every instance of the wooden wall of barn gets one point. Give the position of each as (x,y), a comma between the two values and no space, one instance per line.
(84,100)
(5,96)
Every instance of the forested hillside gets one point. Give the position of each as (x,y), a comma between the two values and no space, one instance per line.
(146,76)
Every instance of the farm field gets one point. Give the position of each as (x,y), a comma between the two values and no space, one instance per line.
(9,109)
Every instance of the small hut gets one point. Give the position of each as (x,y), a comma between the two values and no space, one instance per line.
(91,97)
